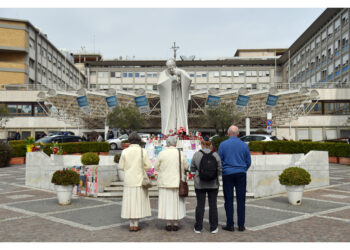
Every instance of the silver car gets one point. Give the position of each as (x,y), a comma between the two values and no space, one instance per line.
(117,142)
(258,137)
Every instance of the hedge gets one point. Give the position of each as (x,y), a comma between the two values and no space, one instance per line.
(216,141)
(68,148)
(16,142)
(5,154)
(293,147)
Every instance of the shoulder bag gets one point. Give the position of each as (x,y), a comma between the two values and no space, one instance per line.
(146,182)
(183,187)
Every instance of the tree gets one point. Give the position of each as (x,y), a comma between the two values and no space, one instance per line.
(221,117)
(127,119)
(3,114)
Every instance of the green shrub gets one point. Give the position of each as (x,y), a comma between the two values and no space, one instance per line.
(117,158)
(79,147)
(294,176)
(15,142)
(257,146)
(273,146)
(90,159)
(30,140)
(5,154)
(19,150)
(65,177)
(216,141)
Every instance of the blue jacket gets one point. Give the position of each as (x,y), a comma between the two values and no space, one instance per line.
(235,156)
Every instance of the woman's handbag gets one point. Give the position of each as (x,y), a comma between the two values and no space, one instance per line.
(146,182)
(183,187)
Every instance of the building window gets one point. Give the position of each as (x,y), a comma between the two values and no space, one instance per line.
(49,56)
(137,74)
(142,74)
(102,74)
(345,17)
(336,25)
(130,74)
(152,75)
(44,52)
(345,40)
(39,111)
(214,74)
(191,74)
(31,43)
(226,73)
(54,60)
(59,65)
(43,70)
(330,31)
(49,74)
(112,74)
(39,49)
(19,109)
(93,73)
(31,63)
(39,68)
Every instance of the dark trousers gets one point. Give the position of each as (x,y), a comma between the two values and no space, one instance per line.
(239,182)
(213,209)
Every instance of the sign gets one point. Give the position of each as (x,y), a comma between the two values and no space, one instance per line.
(242,100)
(268,129)
(271,100)
(111,101)
(212,101)
(269,123)
(83,104)
(142,104)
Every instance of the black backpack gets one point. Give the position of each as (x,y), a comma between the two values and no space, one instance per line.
(208,167)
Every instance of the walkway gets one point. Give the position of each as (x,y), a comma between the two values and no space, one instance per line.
(28,214)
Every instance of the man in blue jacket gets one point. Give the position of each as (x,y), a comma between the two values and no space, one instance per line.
(235,158)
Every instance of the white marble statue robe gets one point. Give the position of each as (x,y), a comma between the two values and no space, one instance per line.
(174,94)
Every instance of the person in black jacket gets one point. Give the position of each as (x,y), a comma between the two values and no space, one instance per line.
(204,187)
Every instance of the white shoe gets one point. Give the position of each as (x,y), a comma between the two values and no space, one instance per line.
(197,232)
(215,231)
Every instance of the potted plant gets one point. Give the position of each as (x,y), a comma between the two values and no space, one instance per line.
(295,179)
(30,143)
(64,181)
(90,159)
(119,171)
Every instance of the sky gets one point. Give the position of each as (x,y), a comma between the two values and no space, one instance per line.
(148,33)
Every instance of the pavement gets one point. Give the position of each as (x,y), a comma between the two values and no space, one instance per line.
(33,215)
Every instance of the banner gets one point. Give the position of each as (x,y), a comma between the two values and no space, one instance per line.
(83,104)
(212,101)
(112,101)
(271,100)
(142,104)
(242,100)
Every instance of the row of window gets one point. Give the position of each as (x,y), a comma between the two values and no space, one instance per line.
(212,74)
(60,65)
(25,110)
(321,37)
(331,108)
(47,73)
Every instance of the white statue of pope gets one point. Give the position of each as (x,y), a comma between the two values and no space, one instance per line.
(173,85)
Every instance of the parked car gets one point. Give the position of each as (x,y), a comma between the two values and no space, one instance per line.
(258,137)
(60,139)
(61,133)
(117,142)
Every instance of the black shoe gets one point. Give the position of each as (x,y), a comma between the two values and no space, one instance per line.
(231,229)
(241,229)
(168,227)
(175,228)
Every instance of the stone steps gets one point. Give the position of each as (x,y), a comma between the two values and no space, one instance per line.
(115,189)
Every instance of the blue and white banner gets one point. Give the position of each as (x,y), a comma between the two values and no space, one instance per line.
(112,101)
(271,100)
(142,104)
(242,100)
(212,101)
(83,104)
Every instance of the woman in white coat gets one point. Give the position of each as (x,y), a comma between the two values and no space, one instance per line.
(136,202)
(171,207)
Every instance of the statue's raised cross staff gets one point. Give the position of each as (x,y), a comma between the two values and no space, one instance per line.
(175,48)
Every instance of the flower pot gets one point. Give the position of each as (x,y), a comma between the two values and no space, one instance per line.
(17,161)
(344,160)
(333,159)
(295,194)
(29,148)
(256,153)
(125,145)
(64,194)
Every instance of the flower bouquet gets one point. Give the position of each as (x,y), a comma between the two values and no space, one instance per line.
(56,149)
(151,174)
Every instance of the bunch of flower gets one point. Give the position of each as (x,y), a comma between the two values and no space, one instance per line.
(56,149)
(151,174)
(38,147)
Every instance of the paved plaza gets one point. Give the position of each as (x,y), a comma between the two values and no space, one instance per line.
(32,215)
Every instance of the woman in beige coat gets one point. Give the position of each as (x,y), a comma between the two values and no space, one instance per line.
(136,202)
(171,207)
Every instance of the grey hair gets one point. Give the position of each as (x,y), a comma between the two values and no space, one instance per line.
(171,141)
(134,138)
(232,132)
